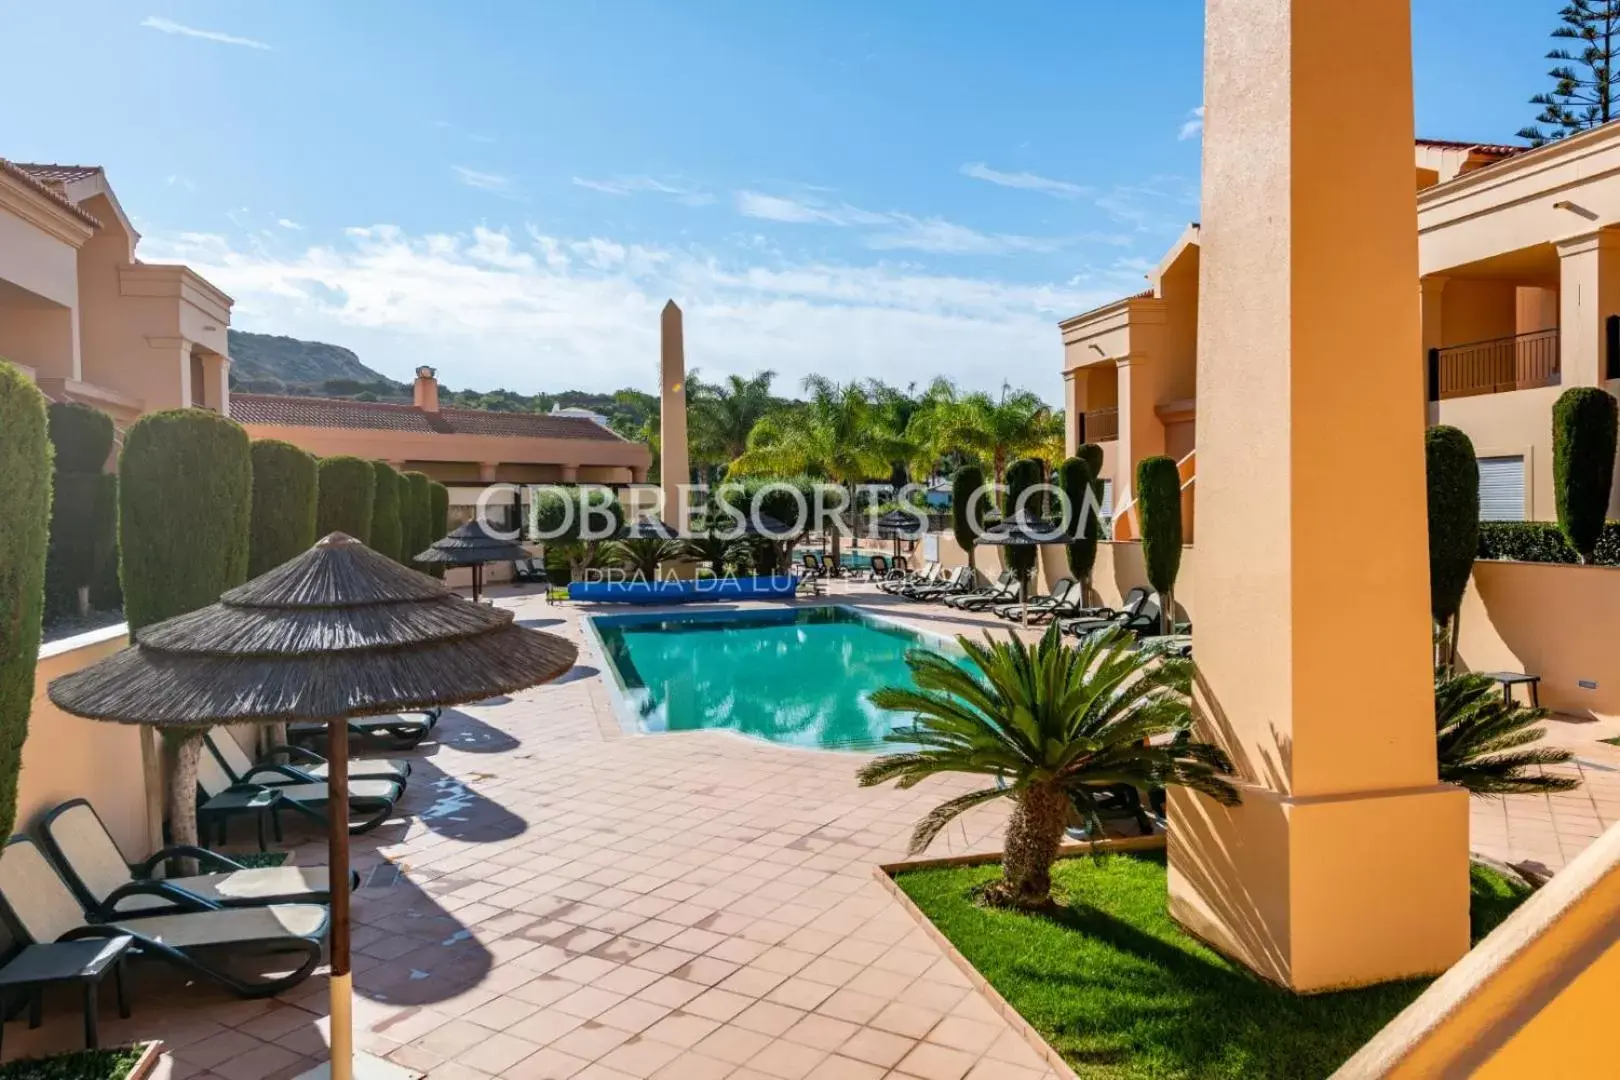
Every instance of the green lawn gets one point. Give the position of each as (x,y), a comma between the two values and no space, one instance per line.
(79,1065)
(1121,991)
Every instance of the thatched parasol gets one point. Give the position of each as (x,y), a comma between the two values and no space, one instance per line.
(898,525)
(339,631)
(647,527)
(1022,529)
(472,545)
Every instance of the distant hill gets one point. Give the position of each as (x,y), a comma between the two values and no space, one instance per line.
(271,364)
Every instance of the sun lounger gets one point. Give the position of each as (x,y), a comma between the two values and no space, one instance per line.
(407,729)
(1005,590)
(1061,599)
(307,764)
(39,908)
(372,800)
(926,576)
(1143,622)
(529,572)
(84,851)
(956,581)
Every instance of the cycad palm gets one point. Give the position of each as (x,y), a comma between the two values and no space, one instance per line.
(1052,722)
(838,435)
(1482,739)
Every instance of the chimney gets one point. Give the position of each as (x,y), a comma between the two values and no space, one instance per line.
(427,389)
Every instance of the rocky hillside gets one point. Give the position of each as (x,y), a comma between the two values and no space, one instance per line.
(270,358)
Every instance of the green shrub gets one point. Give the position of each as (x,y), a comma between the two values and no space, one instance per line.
(438,521)
(1543,542)
(1158,508)
(1585,425)
(81,435)
(25,493)
(557,516)
(346,489)
(968,480)
(285,481)
(415,506)
(387,534)
(82,438)
(105,592)
(1022,475)
(184,507)
(1076,480)
(1453,482)
(1092,455)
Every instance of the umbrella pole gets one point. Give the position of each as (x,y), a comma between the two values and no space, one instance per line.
(478,575)
(337,862)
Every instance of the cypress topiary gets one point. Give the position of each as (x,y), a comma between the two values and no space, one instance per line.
(105,592)
(965,485)
(1092,455)
(1022,475)
(346,490)
(285,481)
(1158,507)
(1585,423)
(1453,479)
(184,509)
(1077,482)
(25,493)
(385,525)
(185,506)
(82,438)
(438,521)
(416,508)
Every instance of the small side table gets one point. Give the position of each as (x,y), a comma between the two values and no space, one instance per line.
(261,802)
(85,962)
(1510,679)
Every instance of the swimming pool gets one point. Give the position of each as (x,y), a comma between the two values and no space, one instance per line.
(798,677)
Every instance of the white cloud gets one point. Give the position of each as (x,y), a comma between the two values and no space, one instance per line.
(679,190)
(177,180)
(534,311)
(484,181)
(169,26)
(894,231)
(289,223)
(1026,181)
(1193,126)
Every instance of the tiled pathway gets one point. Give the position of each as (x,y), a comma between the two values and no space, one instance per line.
(567,902)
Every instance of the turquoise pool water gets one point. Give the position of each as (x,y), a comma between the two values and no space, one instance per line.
(796,677)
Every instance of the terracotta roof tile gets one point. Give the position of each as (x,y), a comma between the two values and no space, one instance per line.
(382,416)
(47,173)
(1496,149)
(46,189)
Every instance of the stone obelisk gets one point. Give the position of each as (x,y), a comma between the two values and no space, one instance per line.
(674,467)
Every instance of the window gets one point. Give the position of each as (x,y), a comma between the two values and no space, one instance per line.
(1108,500)
(1501,488)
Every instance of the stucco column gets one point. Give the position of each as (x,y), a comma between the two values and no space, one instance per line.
(1074,405)
(1141,434)
(1432,308)
(486,471)
(1589,292)
(165,375)
(216,383)
(674,465)
(1347,863)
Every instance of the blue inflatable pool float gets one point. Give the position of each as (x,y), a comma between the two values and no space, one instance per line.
(781,587)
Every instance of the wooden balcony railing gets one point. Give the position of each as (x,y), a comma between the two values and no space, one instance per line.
(1099,425)
(1520,362)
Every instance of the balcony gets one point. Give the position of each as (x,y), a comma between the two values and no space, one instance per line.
(1520,362)
(1099,425)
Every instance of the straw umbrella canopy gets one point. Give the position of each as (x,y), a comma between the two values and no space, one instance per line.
(897,524)
(648,527)
(472,545)
(1023,529)
(339,631)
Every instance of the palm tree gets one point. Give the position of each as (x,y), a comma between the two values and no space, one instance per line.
(721,415)
(639,556)
(717,552)
(1050,724)
(1480,738)
(996,430)
(837,435)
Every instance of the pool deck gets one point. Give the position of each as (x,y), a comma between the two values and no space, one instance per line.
(561,900)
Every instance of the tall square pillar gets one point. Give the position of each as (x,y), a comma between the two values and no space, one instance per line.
(1074,406)
(1588,293)
(1347,862)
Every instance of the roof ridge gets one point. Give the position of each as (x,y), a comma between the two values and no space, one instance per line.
(12,169)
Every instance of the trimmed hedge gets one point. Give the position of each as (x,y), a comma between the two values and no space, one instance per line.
(82,439)
(968,480)
(1586,422)
(1023,474)
(1543,542)
(25,493)
(346,490)
(415,508)
(285,482)
(183,513)
(105,592)
(1453,479)
(1158,508)
(386,535)
(438,521)
(1092,455)
(1075,479)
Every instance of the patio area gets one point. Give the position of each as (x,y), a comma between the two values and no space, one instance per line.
(563,900)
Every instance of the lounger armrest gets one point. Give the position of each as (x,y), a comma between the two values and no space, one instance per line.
(82,933)
(286,772)
(213,860)
(188,901)
(297,753)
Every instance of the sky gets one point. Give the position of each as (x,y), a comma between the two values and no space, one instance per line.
(510,191)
